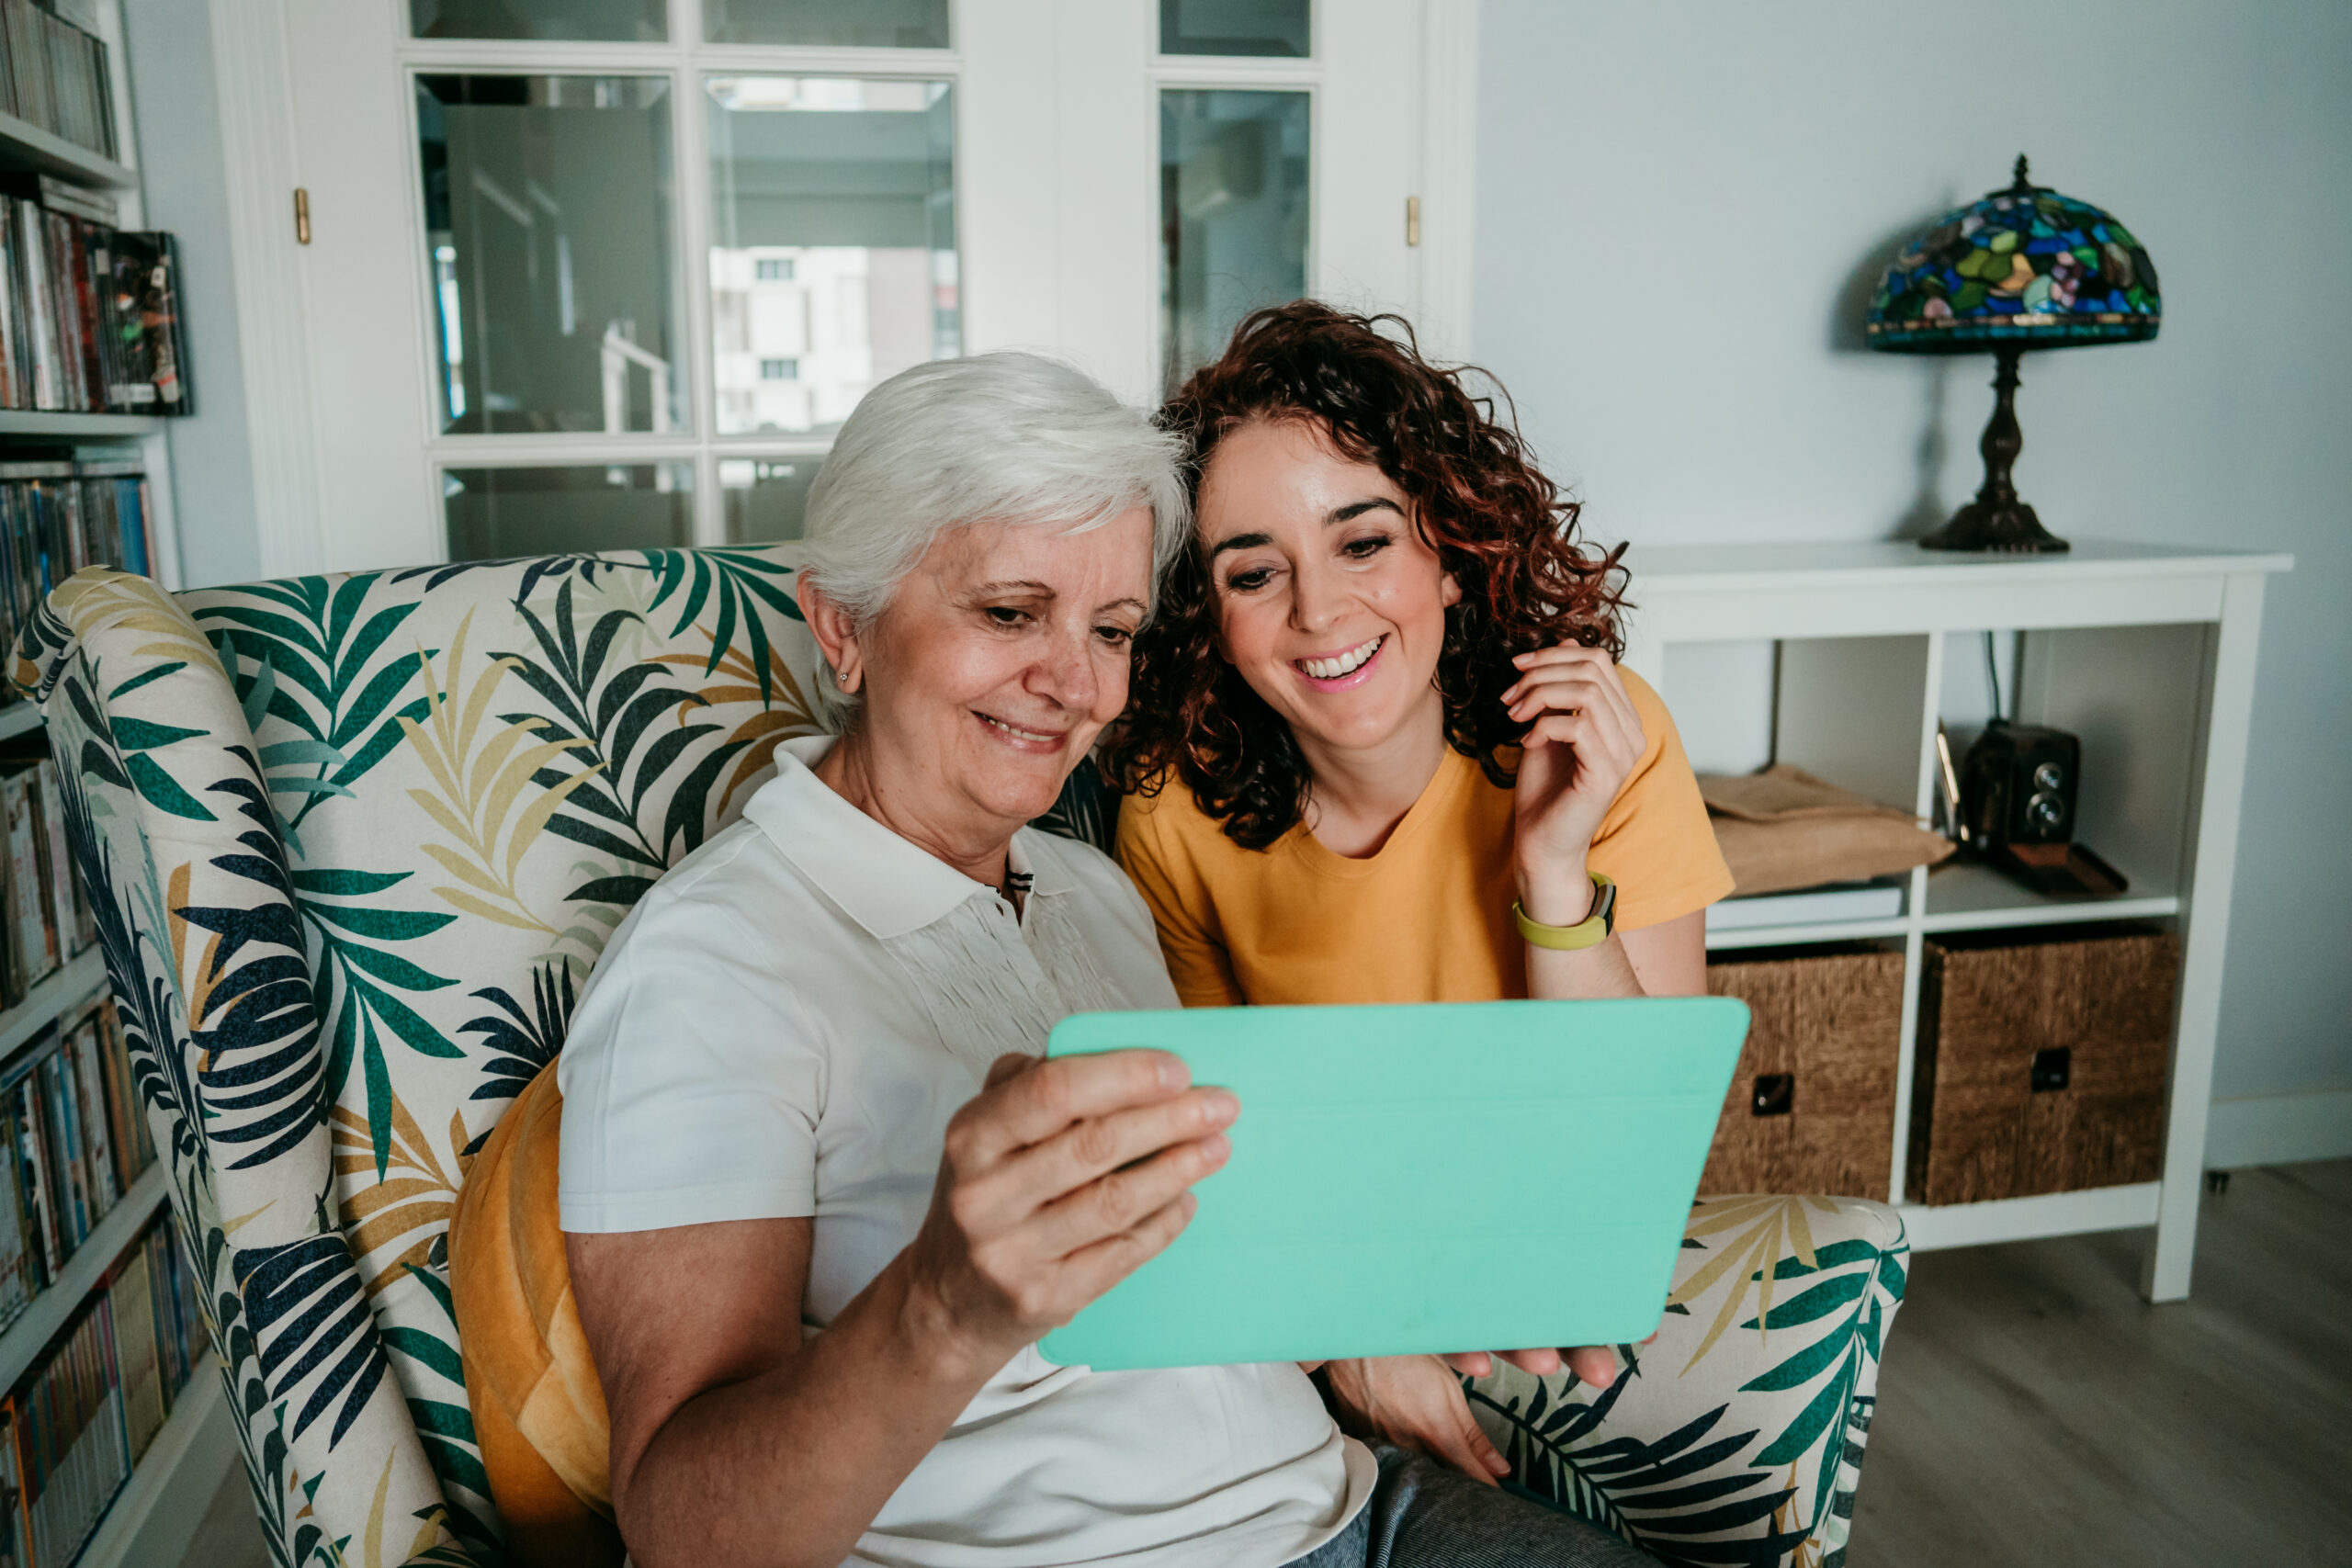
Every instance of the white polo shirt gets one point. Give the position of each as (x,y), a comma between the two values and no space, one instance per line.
(782,1027)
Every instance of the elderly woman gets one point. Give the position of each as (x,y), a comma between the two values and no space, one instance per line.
(819,1199)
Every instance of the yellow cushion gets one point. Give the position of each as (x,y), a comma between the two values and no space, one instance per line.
(538,1408)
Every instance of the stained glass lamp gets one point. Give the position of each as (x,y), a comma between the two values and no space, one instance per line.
(2024,268)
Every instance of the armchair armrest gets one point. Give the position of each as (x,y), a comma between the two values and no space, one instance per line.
(1744,1420)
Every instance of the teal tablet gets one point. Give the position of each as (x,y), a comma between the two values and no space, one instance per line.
(1450,1177)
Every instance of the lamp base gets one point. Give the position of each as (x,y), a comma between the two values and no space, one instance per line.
(2008,527)
(1997,520)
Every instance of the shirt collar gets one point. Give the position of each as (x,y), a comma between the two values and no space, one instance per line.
(885,883)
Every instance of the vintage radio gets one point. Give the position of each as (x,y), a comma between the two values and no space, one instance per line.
(2019,790)
(2019,785)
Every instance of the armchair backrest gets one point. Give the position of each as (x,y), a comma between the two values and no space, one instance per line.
(355,842)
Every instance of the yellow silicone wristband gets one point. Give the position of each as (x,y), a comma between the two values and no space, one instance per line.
(1591,931)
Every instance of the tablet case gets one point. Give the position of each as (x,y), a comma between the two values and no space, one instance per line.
(1447,1177)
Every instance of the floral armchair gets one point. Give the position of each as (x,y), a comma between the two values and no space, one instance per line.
(355,842)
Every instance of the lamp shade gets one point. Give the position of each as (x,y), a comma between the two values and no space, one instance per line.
(2025,267)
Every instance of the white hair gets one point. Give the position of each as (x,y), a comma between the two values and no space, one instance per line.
(1002,437)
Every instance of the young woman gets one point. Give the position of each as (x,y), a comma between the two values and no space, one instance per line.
(1378,746)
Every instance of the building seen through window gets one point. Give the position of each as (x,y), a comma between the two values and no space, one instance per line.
(833,260)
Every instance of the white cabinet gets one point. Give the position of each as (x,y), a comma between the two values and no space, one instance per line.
(1835,658)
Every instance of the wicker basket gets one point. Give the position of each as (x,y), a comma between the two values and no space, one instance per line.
(2042,1062)
(1812,1107)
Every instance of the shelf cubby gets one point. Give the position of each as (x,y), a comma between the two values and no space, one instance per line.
(67,425)
(1841,658)
(61,988)
(24,145)
(23,1340)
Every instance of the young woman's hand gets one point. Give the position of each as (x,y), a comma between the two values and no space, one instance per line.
(1595,1365)
(1582,741)
(1415,1402)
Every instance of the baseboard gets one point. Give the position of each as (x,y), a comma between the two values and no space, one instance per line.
(2278,1129)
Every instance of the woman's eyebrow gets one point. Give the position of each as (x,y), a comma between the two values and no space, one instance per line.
(1024,586)
(1347,514)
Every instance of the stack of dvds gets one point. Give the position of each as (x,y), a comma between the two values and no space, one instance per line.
(58,516)
(85,1416)
(70,1112)
(91,319)
(158,1332)
(45,917)
(56,75)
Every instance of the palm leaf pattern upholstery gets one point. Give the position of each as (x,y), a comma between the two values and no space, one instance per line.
(355,842)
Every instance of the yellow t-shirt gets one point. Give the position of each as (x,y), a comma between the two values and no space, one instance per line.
(1428,919)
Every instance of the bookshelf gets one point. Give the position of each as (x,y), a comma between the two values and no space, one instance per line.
(81,974)
(150,1521)
(100,426)
(24,145)
(22,1342)
(187,1459)
(1834,658)
(26,433)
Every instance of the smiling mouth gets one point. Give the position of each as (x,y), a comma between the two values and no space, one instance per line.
(1030,738)
(1341,665)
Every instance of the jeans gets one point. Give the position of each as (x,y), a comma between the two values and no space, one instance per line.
(1422,1514)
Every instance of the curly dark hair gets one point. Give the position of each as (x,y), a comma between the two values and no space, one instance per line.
(1501,527)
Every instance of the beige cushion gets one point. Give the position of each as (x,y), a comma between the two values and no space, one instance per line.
(1783,829)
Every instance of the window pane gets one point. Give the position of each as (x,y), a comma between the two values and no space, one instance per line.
(623,21)
(494,514)
(833,257)
(548,209)
(1233,215)
(765,497)
(1277,27)
(856,24)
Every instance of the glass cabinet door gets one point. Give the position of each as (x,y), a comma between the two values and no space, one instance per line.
(832,243)
(495,513)
(601,21)
(762,498)
(1233,190)
(1264,29)
(548,229)
(852,24)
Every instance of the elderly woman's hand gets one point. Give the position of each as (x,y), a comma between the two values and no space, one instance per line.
(1058,1180)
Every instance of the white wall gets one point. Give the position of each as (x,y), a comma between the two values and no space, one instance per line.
(184,186)
(1682,207)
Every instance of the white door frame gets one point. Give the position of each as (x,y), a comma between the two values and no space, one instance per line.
(257,99)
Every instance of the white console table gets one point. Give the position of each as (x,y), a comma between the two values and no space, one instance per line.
(2147,654)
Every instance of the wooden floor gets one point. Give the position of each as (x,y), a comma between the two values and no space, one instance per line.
(2033,1409)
